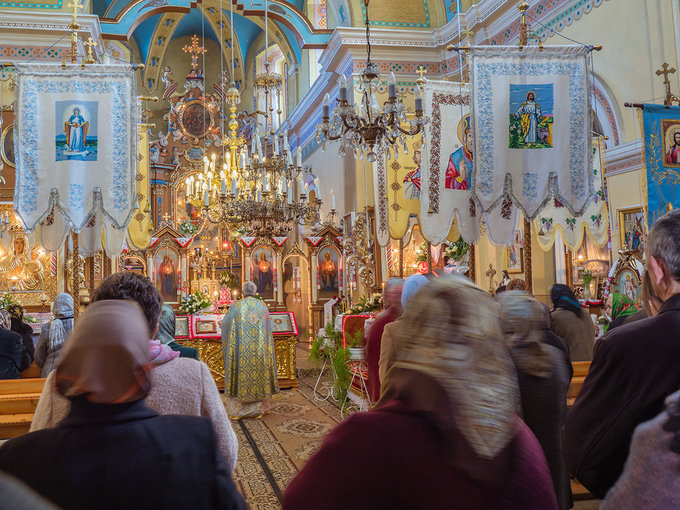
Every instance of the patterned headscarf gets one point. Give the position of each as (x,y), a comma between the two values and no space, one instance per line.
(107,357)
(451,332)
(166,327)
(16,312)
(563,297)
(523,320)
(5,320)
(412,285)
(62,322)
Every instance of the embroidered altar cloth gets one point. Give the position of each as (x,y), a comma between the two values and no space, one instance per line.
(531,127)
(76,149)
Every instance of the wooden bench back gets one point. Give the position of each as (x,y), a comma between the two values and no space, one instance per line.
(21,386)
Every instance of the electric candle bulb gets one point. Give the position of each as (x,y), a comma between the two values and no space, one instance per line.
(392,86)
(326,108)
(343,88)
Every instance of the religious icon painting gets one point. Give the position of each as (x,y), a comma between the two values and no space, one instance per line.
(513,254)
(283,323)
(412,178)
(670,129)
(632,233)
(182,327)
(7,146)
(76,130)
(329,265)
(167,264)
(628,284)
(460,166)
(262,271)
(531,116)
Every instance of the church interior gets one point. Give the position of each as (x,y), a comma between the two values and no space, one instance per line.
(322,149)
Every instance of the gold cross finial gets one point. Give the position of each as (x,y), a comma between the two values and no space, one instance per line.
(422,70)
(90,44)
(195,51)
(467,33)
(76,6)
(166,217)
(665,71)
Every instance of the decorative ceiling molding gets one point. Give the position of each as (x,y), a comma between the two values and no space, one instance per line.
(158,44)
(623,158)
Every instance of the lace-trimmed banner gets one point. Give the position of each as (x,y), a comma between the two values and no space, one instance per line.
(531,126)
(76,148)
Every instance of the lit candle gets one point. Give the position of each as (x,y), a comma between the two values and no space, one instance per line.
(343,88)
(233,186)
(299,157)
(332,199)
(284,185)
(290,196)
(227,162)
(259,196)
(392,86)
(286,146)
(223,187)
(276,144)
(247,161)
(264,183)
(206,198)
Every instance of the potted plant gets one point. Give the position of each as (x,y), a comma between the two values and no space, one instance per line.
(342,373)
(324,344)
(355,345)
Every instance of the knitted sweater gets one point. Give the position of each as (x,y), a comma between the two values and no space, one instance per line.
(181,386)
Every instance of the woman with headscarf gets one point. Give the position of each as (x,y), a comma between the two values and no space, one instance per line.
(571,322)
(621,310)
(445,433)
(53,335)
(166,334)
(391,311)
(543,379)
(16,313)
(112,451)
(13,355)
(388,355)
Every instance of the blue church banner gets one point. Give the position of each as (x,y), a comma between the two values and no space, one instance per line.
(662,159)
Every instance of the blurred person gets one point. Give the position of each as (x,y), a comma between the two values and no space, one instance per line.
(650,301)
(620,309)
(13,355)
(249,356)
(543,379)
(112,451)
(54,334)
(16,313)
(445,432)
(391,311)
(179,385)
(388,355)
(571,322)
(633,370)
(516,284)
(166,334)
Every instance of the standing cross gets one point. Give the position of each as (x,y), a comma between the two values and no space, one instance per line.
(422,70)
(166,217)
(76,5)
(90,44)
(490,273)
(665,71)
(195,51)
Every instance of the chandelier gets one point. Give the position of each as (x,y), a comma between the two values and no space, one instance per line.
(254,190)
(366,129)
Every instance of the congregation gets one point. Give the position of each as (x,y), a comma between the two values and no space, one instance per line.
(470,394)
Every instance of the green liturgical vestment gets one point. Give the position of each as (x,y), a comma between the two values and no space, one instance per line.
(248,350)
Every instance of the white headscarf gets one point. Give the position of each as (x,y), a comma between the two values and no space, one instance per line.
(62,323)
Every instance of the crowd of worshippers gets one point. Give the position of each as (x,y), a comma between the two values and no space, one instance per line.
(469,395)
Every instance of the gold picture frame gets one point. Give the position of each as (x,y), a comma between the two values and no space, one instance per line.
(512,266)
(7,159)
(632,230)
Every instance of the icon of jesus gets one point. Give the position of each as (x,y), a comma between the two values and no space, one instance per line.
(76,129)
(530,116)
(673,154)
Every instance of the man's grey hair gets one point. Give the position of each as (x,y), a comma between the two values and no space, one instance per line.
(249,289)
(663,242)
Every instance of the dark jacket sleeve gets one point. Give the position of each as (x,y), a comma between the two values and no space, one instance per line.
(41,347)
(596,437)
(227,497)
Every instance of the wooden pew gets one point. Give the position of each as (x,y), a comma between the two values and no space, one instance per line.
(580,370)
(18,400)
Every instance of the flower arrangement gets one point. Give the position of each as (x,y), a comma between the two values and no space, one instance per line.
(587,278)
(7,299)
(194,303)
(324,345)
(367,305)
(188,228)
(226,280)
(457,250)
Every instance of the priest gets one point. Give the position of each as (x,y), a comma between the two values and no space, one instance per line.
(249,356)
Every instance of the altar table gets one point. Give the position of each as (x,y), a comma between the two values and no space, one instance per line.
(204,333)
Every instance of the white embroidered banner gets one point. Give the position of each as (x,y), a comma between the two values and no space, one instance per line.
(531,127)
(448,170)
(76,149)
(382,230)
(448,164)
(594,220)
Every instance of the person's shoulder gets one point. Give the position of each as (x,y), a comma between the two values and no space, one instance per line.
(634,332)
(178,368)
